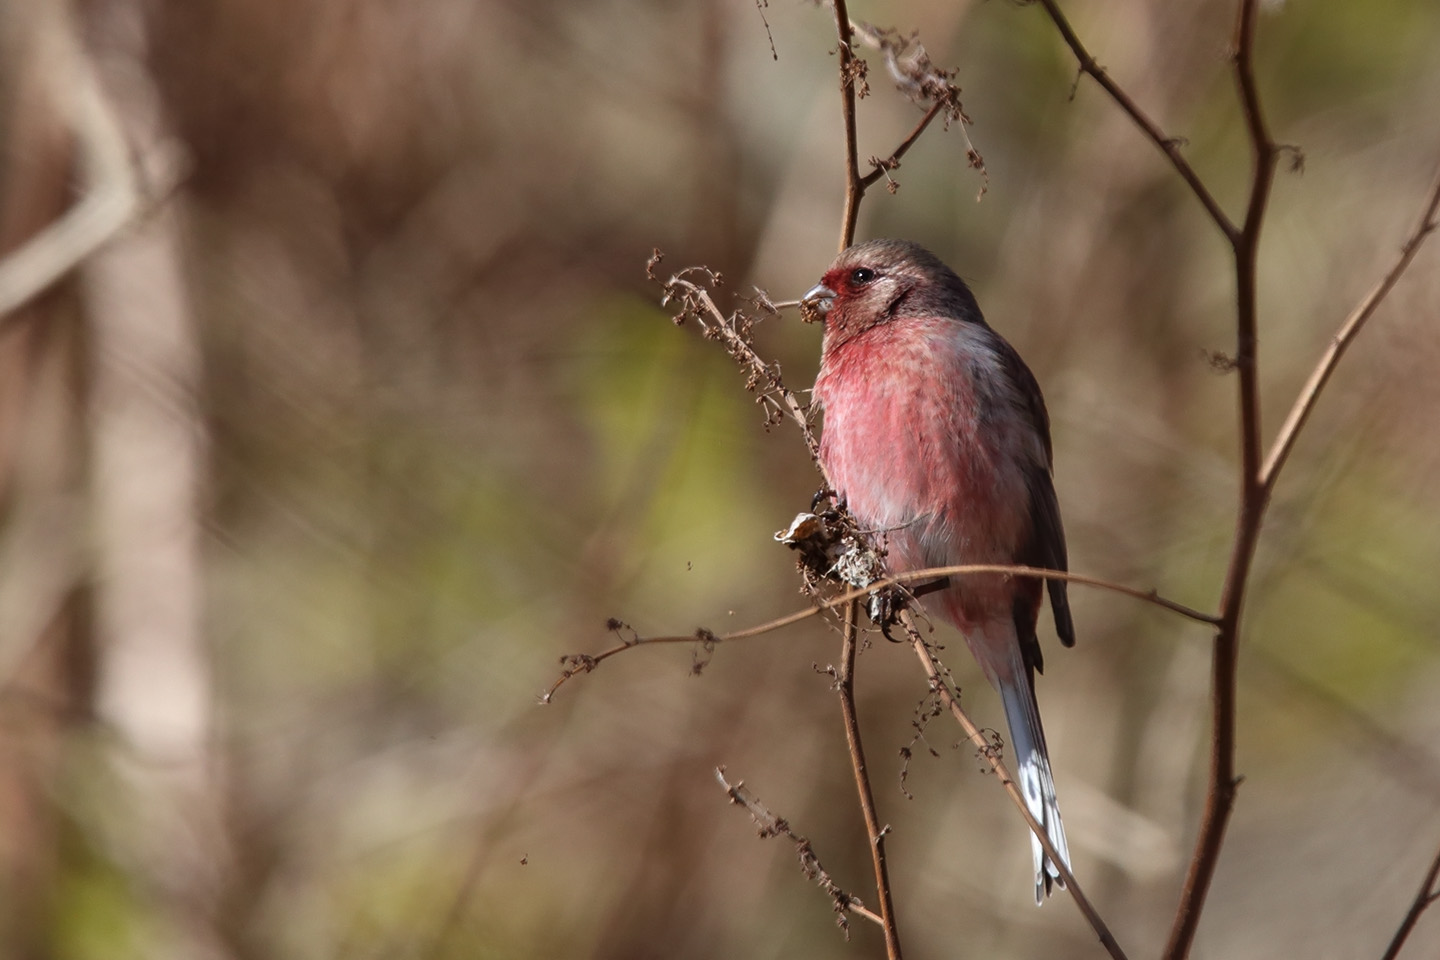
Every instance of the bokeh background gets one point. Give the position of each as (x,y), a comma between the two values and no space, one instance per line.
(310,476)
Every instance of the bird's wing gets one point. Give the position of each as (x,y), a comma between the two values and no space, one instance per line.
(1047,549)
(1046,546)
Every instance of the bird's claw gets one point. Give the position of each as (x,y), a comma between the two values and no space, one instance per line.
(884,609)
(837,503)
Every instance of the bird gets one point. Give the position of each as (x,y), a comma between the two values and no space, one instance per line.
(937,440)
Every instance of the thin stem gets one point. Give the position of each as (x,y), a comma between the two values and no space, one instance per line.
(1264,154)
(1305,402)
(1223,782)
(772,826)
(891,161)
(723,328)
(1149,596)
(1169,146)
(574,664)
(854,187)
(1424,898)
(992,756)
(846,689)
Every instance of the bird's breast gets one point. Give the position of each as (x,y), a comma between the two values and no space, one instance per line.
(921,437)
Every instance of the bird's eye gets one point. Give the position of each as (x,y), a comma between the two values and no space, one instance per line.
(861,276)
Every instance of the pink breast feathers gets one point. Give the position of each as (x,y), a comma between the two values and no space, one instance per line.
(903,402)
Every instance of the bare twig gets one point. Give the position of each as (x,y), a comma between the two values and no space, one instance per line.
(992,756)
(893,161)
(1149,596)
(773,826)
(760,6)
(1223,782)
(851,72)
(917,76)
(733,331)
(1264,154)
(578,663)
(1425,897)
(845,686)
(1305,402)
(1170,146)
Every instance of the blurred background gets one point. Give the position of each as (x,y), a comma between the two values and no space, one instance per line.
(311,473)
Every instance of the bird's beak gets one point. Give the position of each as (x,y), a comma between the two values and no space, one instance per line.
(819,297)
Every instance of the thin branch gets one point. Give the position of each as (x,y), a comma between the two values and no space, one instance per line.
(773,826)
(1264,155)
(1149,596)
(854,187)
(1262,145)
(845,686)
(1305,402)
(1223,782)
(578,663)
(893,161)
(1426,896)
(997,764)
(914,72)
(1169,146)
(697,303)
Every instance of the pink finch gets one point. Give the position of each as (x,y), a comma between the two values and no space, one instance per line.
(937,438)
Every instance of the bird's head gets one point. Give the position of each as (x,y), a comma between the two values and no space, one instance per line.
(881,280)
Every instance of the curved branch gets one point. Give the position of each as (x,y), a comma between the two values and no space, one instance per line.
(1149,596)
(1305,402)
(1169,146)
(577,663)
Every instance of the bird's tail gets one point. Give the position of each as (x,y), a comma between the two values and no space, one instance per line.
(1031,764)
